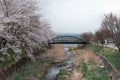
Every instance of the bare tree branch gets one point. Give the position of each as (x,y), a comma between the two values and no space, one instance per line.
(112,23)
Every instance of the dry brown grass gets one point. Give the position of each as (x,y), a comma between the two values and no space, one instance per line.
(82,54)
(76,75)
(86,55)
(57,51)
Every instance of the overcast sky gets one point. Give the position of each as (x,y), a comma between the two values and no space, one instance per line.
(77,16)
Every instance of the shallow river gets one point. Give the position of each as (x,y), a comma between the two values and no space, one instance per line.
(55,68)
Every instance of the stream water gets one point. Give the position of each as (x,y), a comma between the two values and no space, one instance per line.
(55,69)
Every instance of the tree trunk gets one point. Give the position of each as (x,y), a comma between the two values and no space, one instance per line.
(118,49)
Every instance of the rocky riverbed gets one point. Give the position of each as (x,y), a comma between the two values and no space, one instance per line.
(54,70)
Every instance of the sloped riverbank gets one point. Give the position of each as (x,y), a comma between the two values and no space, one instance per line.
(59,63)
(37,70)
(86,67)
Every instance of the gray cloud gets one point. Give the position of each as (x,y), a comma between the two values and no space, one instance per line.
(77,16)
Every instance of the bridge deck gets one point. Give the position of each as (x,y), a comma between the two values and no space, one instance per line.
(67,40)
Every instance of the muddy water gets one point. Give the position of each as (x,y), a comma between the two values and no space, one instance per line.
(55,69)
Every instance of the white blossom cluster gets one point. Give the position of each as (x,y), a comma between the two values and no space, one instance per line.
(21,27)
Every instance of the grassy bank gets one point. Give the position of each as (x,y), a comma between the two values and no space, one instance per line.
(33,70)
(84,71)
(86,67)
(91,71)
(64,75)
(37,70)
(111,54)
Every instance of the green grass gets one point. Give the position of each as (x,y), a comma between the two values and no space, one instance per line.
(92,72)
(62,74)
(33,70)
(111,54)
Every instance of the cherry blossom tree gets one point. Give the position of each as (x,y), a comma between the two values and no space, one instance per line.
(17,7)
(21,27)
